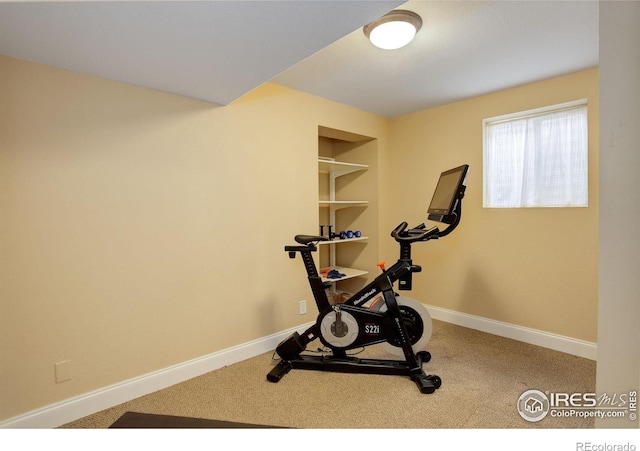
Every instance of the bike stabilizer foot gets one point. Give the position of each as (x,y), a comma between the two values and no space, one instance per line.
(279,371)
(427,384)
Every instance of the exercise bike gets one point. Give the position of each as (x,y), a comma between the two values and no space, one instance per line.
(376,314)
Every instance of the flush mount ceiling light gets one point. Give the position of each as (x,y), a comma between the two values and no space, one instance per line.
(393,30)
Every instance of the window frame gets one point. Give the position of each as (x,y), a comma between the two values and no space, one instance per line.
(574,104)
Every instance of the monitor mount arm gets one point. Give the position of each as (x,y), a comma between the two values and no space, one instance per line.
(406,237)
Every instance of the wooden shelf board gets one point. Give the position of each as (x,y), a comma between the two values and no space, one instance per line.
(339,168)
(338,204)
(350,273)
(346,240)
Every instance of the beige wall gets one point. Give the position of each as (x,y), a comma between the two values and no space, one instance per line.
(536,268)
(139,230)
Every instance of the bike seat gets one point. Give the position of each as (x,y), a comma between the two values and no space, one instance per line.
(306,239)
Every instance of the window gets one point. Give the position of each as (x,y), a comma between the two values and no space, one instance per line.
(537,158)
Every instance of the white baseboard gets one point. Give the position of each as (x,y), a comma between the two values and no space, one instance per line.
(72,409)
(548,340)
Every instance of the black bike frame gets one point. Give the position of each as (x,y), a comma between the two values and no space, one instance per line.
(401,272)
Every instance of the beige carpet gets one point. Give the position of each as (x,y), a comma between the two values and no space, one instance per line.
(482,377)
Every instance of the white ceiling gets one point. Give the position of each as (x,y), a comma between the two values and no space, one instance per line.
(219,50)
(210,50)
(464,49)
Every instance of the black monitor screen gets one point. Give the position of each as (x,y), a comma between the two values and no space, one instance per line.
(446,193)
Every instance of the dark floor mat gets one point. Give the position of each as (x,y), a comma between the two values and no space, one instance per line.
(135,420)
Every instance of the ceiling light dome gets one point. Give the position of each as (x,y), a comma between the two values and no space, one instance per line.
(393,30)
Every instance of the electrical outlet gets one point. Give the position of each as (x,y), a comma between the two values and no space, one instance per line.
(303,307)
(63,371)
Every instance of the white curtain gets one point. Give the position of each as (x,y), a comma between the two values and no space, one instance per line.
(537,161)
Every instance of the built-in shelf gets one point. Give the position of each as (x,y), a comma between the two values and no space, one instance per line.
(336,169)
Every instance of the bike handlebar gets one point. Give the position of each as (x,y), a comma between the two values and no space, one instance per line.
(419,233)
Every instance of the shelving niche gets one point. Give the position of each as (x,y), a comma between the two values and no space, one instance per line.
(348,201)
